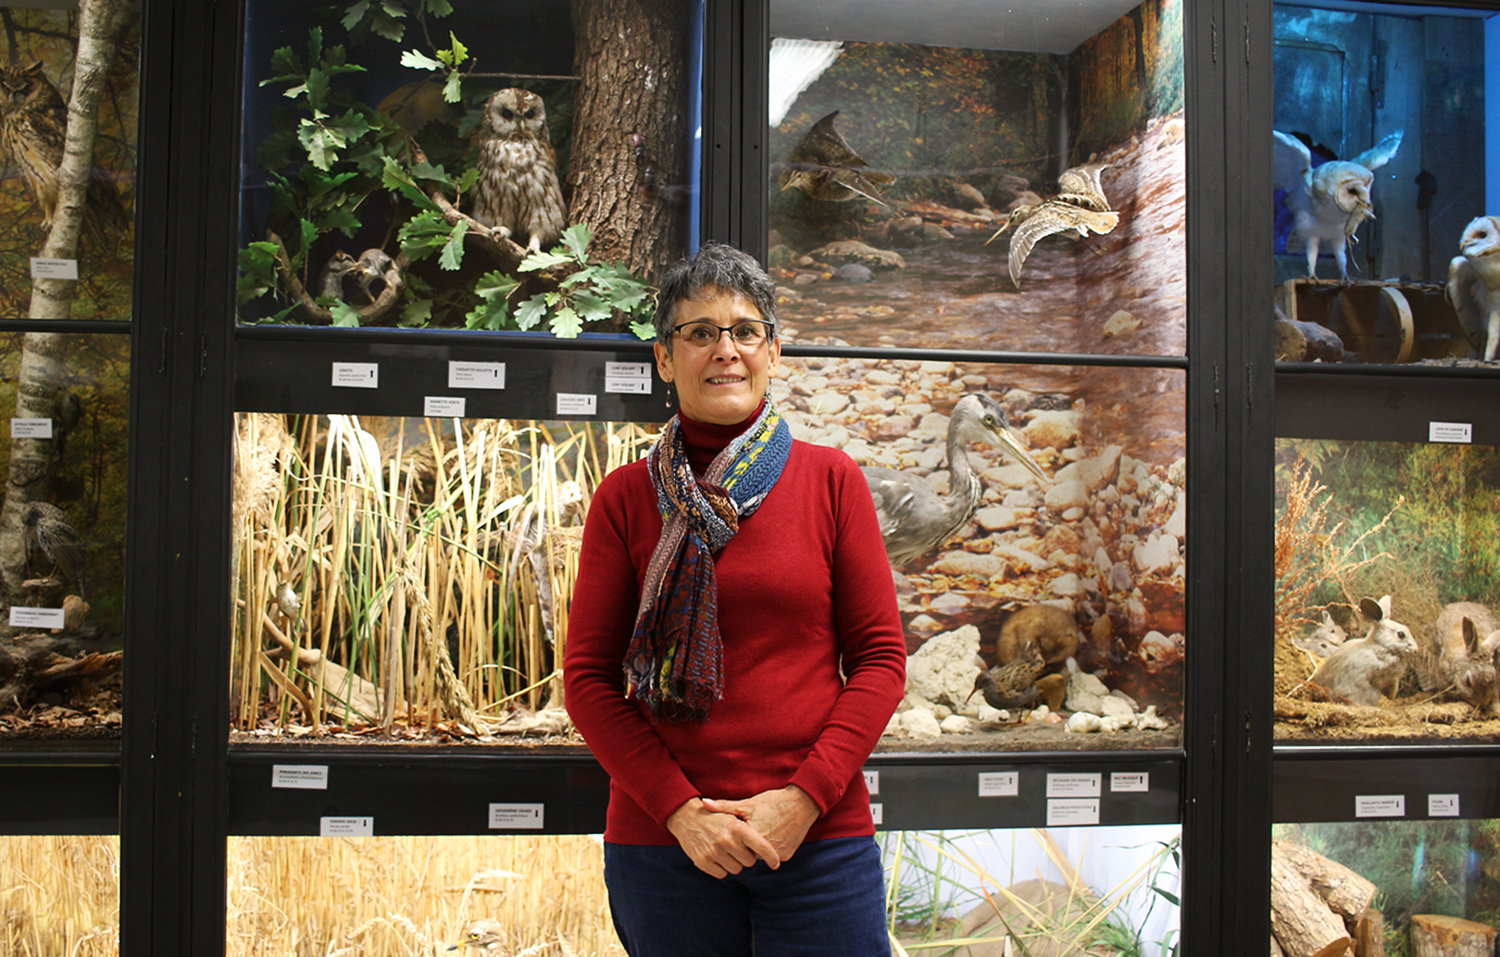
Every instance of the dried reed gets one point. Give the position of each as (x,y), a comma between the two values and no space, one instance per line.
(60,895)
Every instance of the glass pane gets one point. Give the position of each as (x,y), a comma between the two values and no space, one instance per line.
(400,163)
(62,543)
(934,177)
(41,58)
(63,895)
(1382,176)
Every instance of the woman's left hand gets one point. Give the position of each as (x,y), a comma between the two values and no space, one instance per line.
(783,816)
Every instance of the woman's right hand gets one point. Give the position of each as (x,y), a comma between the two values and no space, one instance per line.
(719,844)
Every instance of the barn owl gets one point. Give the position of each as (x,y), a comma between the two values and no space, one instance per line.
(1328,203)
(1079,205)
(517,192)
(1474,284)
(825,167)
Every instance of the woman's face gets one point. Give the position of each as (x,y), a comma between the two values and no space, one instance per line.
(721,382)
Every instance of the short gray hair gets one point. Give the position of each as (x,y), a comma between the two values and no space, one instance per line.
(714,266)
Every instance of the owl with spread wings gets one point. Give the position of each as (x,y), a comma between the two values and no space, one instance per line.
(1474,284)
(1329,202)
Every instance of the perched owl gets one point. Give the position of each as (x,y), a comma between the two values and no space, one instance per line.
(1474,284)
(33,126)
(825,167)
(1330,202)
(1079,205)
(517,192)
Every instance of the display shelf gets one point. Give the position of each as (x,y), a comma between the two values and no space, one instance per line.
(55,789)
(1360,784)
(409,791)
(1386,404)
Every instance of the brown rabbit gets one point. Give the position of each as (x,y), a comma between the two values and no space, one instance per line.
(1467,635)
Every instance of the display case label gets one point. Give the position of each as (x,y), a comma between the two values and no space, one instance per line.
(1461,432)
(631,378)
(444,406)
(876,814)
(356,375)
(307,777)
(572,403)
(1442,805)
(53,268)
(517,817)
(1061,813)
(627,386)
(476,375)
(1130,781)
(872,782)
(346,827)
(37,617)
(31,428)
(1380,805)
(1073,785)
(999,783)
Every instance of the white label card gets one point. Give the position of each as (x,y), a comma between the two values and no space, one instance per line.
(31,428)
(872,781)
(1442,805)
(476,375)
(37,617)
(999,783)
(1130,781)
(308,777)
(573,403)
(876,815)
(628,370)
(1461,432)
(627,386)
(1061,813)
(1380,805)
(53,268)
(444,406)
(1073,785)
(517,817)
(356,375)
(346,827)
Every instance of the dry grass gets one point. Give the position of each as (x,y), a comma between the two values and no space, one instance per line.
(415,896)
(60,896)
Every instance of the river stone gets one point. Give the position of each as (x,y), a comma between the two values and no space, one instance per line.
(954,724)
(968,563)
(949,603)
(1020,558)
(1052,430)
(1119,324)
(1148,721)
(1120,578)
(996,518)
(853,272)
(943,669)
(881,377)
(1066,584)
(967,196)
(1081,722)
(853,251)
(809,385)
(1086,693)
(1112,707)
(919,724)
(1062,496)
(1095,473)
(1177,524)
(827,403)
(1159,551)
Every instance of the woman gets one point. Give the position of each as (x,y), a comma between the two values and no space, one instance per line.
(733,665)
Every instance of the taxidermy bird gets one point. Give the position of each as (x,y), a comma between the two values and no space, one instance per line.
(375,263)
(49,531)
(485,935)
(1474,284)
(825,167)
(340,266)
(1329,202)
(913,517)
(517,193)
(1080,204)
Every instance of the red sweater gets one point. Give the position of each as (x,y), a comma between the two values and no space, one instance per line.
(804,589)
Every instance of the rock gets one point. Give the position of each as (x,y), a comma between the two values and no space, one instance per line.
(1082,722)
(1066,584)
(1112,725)
(923,626)
(1052,430)
(996,518)
(1062,496)
(1119,693)
(1020,558)
(986,713)
(827,403)
(1112,707)
(1039,712)
(1120,578)
(853,251)
(1148,721)
(1011,476)
(853,272)
(969,564)
(1095,473)
(950,603)
(1086,693)
(1119,324)
(1306,341)
(921,725)
(967,196)
(942,670)
(1159,551)
(955,724)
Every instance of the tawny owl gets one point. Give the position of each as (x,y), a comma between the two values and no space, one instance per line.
(1474,284)
(33,126)
(1328,203)
(517,192)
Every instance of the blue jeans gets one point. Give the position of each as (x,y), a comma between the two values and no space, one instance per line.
(827,901)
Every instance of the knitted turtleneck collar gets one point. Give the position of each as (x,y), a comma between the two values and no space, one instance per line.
(704,440)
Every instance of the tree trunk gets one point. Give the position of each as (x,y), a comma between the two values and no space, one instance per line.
(1314,901)
(628,167)
(1346,893)
(1433,935)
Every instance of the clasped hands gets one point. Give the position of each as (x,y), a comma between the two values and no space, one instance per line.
(724,837)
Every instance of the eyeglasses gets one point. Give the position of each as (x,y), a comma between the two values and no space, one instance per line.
(703,334)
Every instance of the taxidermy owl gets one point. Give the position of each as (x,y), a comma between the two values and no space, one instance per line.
(1474,284)
(517,193)
(1330,202)
(825,167)
(33,126)
(1079,205)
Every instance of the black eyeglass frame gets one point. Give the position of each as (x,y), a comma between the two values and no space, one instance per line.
(770,329)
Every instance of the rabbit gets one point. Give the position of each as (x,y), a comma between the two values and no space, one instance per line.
(1323,640)
(1467,635)
(1363,669)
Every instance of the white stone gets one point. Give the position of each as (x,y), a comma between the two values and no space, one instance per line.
(1062,496)
(1118,693)
(1073,514)
(950,603)
(1082,723)
(893,726)
(1021,558)
(996,518)
(942,670)
(1156,645)
(921,725)
(955,724)
(1112,707)
(1095,473)
(1066,584)
(1109,724)
(1176,526)
(1086,693)
(986,713)
(827,403)
(1159,551)
(970,564)
(1148,721)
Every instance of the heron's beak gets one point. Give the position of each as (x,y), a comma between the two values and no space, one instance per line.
(1011,444)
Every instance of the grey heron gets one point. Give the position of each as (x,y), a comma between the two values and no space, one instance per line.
(913,517)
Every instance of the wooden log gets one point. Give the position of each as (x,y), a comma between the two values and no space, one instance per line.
(1346,893)
(1300,918)
(1369,934)
(1436,935)
(1307,342)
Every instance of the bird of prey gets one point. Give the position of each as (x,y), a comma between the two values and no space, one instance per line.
(825,167)
(1330,202)
(1080,205)
(49,531)
(1474,284)
(913,517)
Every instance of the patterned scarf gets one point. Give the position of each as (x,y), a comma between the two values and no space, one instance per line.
(675,661)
